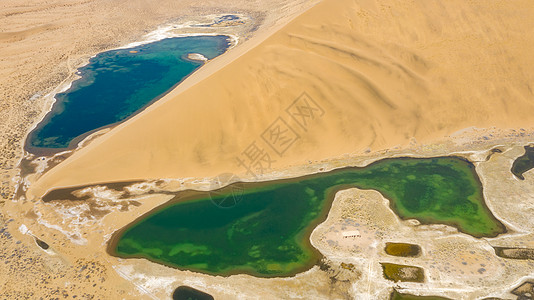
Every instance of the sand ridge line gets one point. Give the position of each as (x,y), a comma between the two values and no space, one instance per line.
(206,123)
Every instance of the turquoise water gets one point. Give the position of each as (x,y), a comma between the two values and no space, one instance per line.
(118,83)
(267,232)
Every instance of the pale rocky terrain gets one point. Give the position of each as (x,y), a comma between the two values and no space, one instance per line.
(456,265)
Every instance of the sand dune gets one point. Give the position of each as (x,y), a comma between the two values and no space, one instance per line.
(379,73)
(42,43)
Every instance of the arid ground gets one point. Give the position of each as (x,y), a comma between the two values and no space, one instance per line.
(350,81)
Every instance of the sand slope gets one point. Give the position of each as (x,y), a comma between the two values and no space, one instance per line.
(382,72)
(42,42)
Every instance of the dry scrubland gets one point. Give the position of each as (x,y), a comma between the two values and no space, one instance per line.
(385,74)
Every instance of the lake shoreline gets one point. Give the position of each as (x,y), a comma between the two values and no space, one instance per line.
(182,196)
(80,140)
(476,151)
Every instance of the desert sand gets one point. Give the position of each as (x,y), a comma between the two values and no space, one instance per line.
(42,43)
(380,75)
(381,78)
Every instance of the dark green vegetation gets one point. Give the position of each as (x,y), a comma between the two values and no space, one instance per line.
(524,163)
(188,293)
(395,272)
(267,232)
(514,253)
(402,249)
(118,83)
(398,296)
(42,244)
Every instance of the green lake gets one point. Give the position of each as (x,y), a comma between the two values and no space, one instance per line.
(267,232)
(524,163)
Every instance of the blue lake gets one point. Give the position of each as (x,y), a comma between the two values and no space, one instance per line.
(118,83)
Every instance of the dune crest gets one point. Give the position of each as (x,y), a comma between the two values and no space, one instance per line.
(377,74)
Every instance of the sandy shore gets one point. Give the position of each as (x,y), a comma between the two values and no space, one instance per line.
(456,265)
(375,82)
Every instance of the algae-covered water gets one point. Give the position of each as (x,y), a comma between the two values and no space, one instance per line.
(267,232)
(118,83)
(188,293)
(399,296)
(524,163)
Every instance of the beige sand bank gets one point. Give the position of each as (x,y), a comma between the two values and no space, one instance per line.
(42,43)
(382,74)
